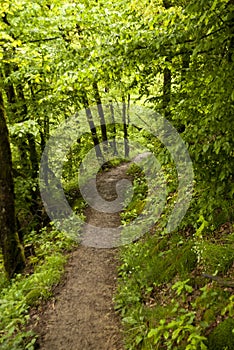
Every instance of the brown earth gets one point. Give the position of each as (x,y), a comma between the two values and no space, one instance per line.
(82,316)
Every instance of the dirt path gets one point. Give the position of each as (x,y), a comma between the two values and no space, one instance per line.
(83,316)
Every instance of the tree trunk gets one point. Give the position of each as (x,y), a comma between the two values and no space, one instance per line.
(13,254)
(101,114)
(32,158)
(125,126)
(10,91)
(128,109)
(113,130)
(166,89)
(93,129)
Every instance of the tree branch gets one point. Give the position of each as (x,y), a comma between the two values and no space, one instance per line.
(219,280)
(40,40)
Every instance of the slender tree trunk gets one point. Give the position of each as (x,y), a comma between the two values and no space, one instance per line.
(166,89)
(125,126)
(128,109)
(10,91)
(12,251)
(113,129)
(35,193)
(93,129)
(101,114)
(185,65)
(33,156)
(183,95)
(21,98)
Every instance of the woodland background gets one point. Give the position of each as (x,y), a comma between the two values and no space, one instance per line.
(174,56)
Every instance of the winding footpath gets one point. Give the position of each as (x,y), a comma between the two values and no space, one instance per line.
(82,316)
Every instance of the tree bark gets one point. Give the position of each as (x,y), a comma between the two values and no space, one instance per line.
(10,91)
(166,89)
(101,114)
(125,126)
(13,254)
(93,130)
(113,130)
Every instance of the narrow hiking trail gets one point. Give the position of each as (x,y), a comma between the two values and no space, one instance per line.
(82,315)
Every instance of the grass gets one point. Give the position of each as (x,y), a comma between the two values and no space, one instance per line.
(44,270)
(161,288)
(163,296)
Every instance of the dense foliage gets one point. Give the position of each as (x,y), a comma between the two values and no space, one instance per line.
(174,56)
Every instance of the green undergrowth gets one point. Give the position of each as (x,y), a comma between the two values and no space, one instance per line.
(175,291)
(168,299)
(45,266)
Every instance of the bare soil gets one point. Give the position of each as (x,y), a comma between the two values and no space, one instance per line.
(82,315)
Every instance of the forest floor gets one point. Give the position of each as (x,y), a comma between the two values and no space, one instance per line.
(81,315)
